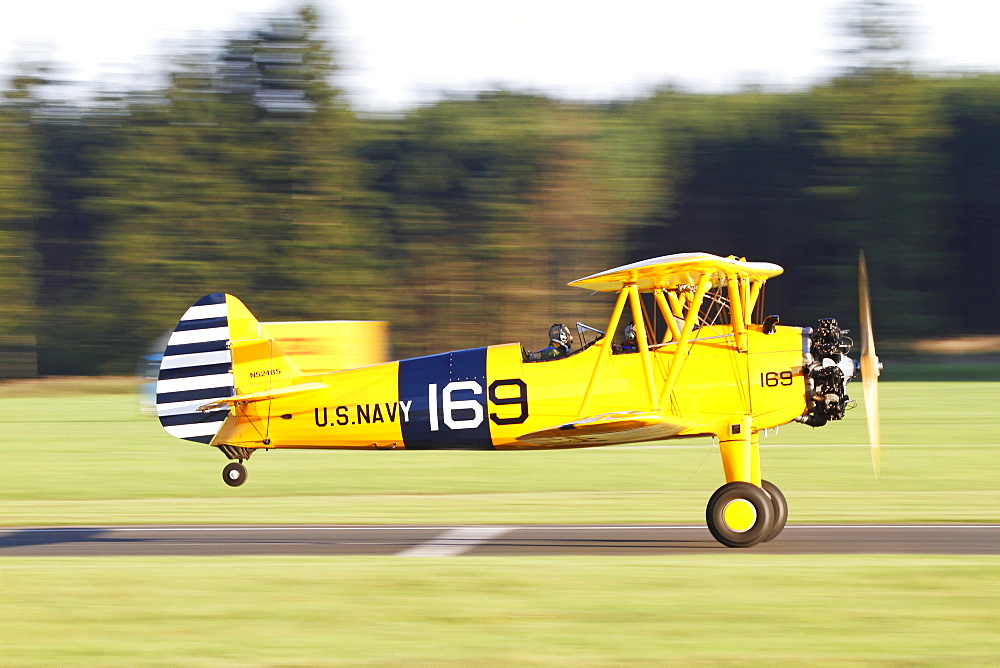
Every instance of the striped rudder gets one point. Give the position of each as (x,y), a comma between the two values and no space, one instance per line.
(197,367)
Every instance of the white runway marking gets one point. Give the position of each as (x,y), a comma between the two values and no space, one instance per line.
(455,542)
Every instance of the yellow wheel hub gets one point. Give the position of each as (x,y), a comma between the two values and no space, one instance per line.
(739,515)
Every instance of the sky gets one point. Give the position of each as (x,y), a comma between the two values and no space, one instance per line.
(396,54)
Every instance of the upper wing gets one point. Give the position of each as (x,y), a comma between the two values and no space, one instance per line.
(608,429)
(671,271)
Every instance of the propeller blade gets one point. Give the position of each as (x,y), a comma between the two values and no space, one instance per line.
(870,367)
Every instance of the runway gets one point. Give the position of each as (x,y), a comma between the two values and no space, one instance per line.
(486,540)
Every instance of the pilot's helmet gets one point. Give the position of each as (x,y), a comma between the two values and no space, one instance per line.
(630,335)
(560,334)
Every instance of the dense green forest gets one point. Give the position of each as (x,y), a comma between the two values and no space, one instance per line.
(461,222)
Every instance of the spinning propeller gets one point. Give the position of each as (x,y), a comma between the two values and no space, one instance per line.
(870,366)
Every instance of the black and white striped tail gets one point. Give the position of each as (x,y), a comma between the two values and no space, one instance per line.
(196,368)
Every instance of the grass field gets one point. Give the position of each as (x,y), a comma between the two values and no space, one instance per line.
(92,459)
(732,609)
(70,458)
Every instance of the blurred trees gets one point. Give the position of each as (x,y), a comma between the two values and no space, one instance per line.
(240,177)
(970,190)
(454,181)
(461,222)
(489,204)
(20,206)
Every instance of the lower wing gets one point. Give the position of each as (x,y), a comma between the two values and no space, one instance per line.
(608,429)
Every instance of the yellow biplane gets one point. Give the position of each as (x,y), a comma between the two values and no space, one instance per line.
(701,365)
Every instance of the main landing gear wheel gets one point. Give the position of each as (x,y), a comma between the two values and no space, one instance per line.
(740,514)
(235,474)
(780,509)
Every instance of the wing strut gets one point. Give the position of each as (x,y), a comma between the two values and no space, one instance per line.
(684,344)
(605,351)
(640,334)
(736,306)
(668,315)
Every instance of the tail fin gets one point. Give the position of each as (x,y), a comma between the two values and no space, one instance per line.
(217,348)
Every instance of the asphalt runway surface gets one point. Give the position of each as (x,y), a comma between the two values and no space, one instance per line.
(486,540)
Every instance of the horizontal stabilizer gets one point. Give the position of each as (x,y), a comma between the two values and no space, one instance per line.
(263,395)
(608,429)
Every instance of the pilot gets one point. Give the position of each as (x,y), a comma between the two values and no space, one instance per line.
(629,343)
(560,343)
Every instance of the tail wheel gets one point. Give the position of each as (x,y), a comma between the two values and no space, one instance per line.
(740,514)
(780,509)
(235,474)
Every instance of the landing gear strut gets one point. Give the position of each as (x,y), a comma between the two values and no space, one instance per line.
(235,474)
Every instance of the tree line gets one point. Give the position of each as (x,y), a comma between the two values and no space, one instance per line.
(460,222)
